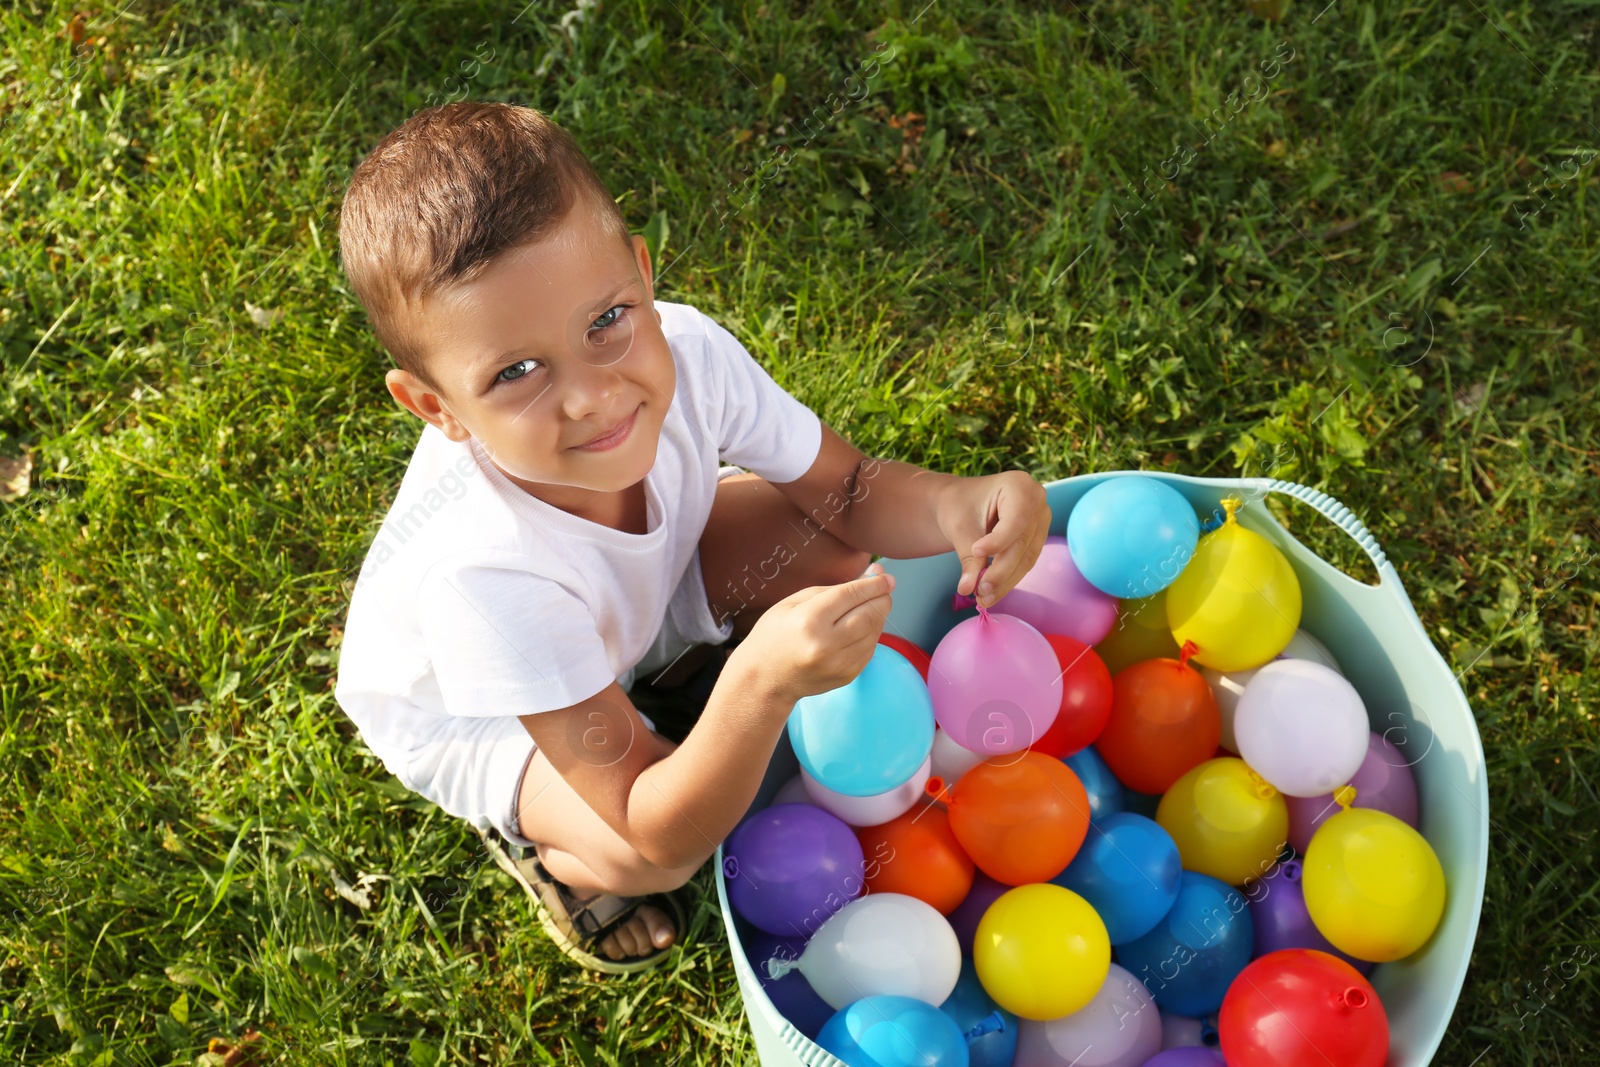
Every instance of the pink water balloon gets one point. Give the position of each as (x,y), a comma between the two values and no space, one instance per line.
(1055,598)
(995,683)
(1385,781)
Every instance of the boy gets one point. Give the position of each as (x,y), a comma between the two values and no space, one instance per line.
(570,521)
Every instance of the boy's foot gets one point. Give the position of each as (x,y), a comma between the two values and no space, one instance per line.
(650,929)
(603,932)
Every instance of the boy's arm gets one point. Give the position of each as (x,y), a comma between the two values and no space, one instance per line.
(672,811)
(902,511)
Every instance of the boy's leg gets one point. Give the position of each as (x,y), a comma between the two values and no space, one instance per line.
(580,850)
(758,548)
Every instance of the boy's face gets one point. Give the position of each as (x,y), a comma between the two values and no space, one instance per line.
(555,344)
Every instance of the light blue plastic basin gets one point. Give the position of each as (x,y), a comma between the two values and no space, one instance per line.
(1410,693)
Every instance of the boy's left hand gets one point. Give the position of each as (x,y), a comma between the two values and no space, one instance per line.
(1002,515)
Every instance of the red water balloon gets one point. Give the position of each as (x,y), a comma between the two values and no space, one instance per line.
(1299,1007)
(1085,698)
(1164,722)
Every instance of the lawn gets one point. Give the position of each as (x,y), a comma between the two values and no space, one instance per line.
(1354,248)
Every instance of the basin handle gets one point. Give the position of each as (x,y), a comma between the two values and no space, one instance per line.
(1338,514)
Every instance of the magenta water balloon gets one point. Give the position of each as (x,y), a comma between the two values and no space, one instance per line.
(1278,909)
(995,683)
(964,920)
(1055,598)
(790,867)
(1384,781)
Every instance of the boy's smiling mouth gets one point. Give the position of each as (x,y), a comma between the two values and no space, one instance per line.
(612,437)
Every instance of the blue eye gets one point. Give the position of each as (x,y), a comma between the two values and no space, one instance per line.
(502,376)
(608,318)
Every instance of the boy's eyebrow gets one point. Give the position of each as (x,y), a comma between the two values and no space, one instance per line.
(595,308)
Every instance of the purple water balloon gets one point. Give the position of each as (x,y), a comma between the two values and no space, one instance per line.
(791,866)
(964,920)
(792,995)
(1056,598)
(1278,906)
(1180,1031)
(1384,782)
(1187,1057)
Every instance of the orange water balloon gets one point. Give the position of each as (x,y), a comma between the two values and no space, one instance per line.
(1021,816)
(918,855)
(1164,722)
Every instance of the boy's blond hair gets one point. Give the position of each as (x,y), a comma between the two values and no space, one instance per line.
(445,194)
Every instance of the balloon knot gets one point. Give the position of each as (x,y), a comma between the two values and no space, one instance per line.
(993,1023)
(961,601)
(1187,652)
(1345,796)
(1232,504)
(777,968)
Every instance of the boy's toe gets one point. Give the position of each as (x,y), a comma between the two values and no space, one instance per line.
(661,931)
(648,930)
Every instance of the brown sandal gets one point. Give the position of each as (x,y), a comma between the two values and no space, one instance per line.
(577,925)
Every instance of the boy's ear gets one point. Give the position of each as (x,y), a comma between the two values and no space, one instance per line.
(423,402)
(641,258)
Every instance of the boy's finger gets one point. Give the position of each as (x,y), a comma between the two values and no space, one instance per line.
(1012,562)
(875,604)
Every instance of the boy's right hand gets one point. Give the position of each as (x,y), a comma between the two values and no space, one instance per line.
(819,638)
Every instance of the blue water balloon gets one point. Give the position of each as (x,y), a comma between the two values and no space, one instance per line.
(1129,869)
(977,1016)
(1131,535)
(1197,949)
(890,1031)
(870,735)
(1106,795)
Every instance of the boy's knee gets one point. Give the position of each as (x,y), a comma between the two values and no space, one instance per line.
(841,563)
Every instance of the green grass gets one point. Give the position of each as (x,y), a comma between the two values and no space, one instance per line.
(180,790)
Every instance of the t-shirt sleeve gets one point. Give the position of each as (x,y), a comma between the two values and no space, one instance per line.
(505,641)
(760,426)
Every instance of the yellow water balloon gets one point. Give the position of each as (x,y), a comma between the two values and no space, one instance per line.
(1227,820)
(1140,633)
(1374,886)
(1238,599)
(1041,951)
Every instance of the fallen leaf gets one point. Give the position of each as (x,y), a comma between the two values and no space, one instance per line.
(16,475)
(1456,183)
(262,317)
(1271,10)
(1470,399)
(236,1054)
(364,894)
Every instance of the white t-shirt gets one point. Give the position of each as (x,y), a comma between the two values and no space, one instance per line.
(479,602)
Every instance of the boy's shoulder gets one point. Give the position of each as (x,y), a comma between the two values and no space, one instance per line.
(446,508)
(686,326)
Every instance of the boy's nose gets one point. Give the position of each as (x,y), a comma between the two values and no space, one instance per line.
(592,393)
